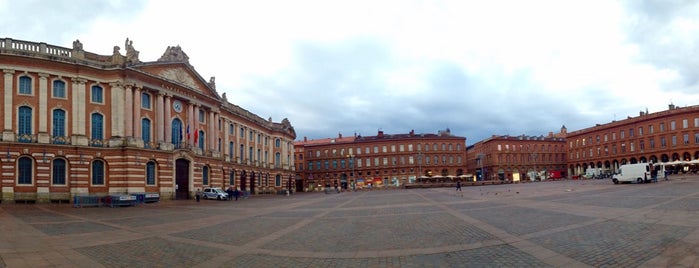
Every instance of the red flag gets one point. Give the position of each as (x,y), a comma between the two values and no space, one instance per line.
(196,136)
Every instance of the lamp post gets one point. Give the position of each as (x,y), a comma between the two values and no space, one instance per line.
(480,164)
(419,162)
(351,162)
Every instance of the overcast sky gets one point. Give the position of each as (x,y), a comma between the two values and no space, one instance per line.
(477,67)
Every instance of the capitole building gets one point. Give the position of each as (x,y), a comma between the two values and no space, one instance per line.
(76,122)
(379,162)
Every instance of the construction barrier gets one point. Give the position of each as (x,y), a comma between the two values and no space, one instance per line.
(119,200)
(151,197)
(80,201)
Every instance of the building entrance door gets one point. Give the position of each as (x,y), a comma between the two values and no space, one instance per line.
(182,179)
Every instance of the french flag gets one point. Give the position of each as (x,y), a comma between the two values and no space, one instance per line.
(188,136)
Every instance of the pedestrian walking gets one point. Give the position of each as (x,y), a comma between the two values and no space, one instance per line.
(198,195)
(458,186)
(229,191)
(236,193)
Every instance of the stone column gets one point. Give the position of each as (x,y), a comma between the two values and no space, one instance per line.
(78,106)
(159,118)
(168,119)
(117,114)
(190,124)
(138,138)
(128,112)
(43,135)
(8,134)
(212,129)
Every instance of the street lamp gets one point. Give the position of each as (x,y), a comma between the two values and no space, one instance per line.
(419,162)
(480,164)
(351,159)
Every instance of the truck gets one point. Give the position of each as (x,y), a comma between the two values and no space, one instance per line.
(639,173)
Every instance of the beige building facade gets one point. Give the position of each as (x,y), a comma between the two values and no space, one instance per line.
(76,123)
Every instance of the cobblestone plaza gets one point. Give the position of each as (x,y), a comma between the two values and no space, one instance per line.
(571,223)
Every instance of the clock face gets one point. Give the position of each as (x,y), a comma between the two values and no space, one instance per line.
(177,105)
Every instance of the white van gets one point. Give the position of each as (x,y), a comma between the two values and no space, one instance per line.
(639,173)
(632,172)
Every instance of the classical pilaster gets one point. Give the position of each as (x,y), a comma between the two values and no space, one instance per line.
(8,134)
(128,112)
(79,99)
(43,135)
(138,137)
(159,118)
(168,119)
(117,112)
(211,136)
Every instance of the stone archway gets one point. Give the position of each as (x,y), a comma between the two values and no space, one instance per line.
(182,180)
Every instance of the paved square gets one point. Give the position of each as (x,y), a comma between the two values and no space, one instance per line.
(589,223)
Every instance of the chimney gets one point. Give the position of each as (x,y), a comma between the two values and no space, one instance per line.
(380,135)
(412,132)
(339,135)
(671,106)
(550,134)
(305,139)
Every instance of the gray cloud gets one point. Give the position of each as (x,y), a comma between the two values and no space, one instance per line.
(662,32)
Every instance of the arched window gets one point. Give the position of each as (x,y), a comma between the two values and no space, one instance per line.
(277,143)
(150,173)
(25,121)
(201,139)
(97,172)
(177,135)
(59,89)
(231,178)
(278,180)
(97,129)
(25,85)
(277,160)
(58,171)
(25,169)
(205,175)
(145,132)
(96,94)
(59,124)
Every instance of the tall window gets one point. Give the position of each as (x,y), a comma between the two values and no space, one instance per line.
(231,149)
(97,172)
(24,170)
(59,89)
(205,175)
(59,123)
(150,173)
(25,120)
(145,131)
(97,126)
(201,139)
(242,152)
(277,160)
(231,178)
(278,180)
(277,143)
(96,94)
(58,171)
(145,100)
(25,85)
(177,135)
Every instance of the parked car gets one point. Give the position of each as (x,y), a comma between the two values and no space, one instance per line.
(214,193)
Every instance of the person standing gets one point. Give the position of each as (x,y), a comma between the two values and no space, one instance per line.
(458,186)
(198,195)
